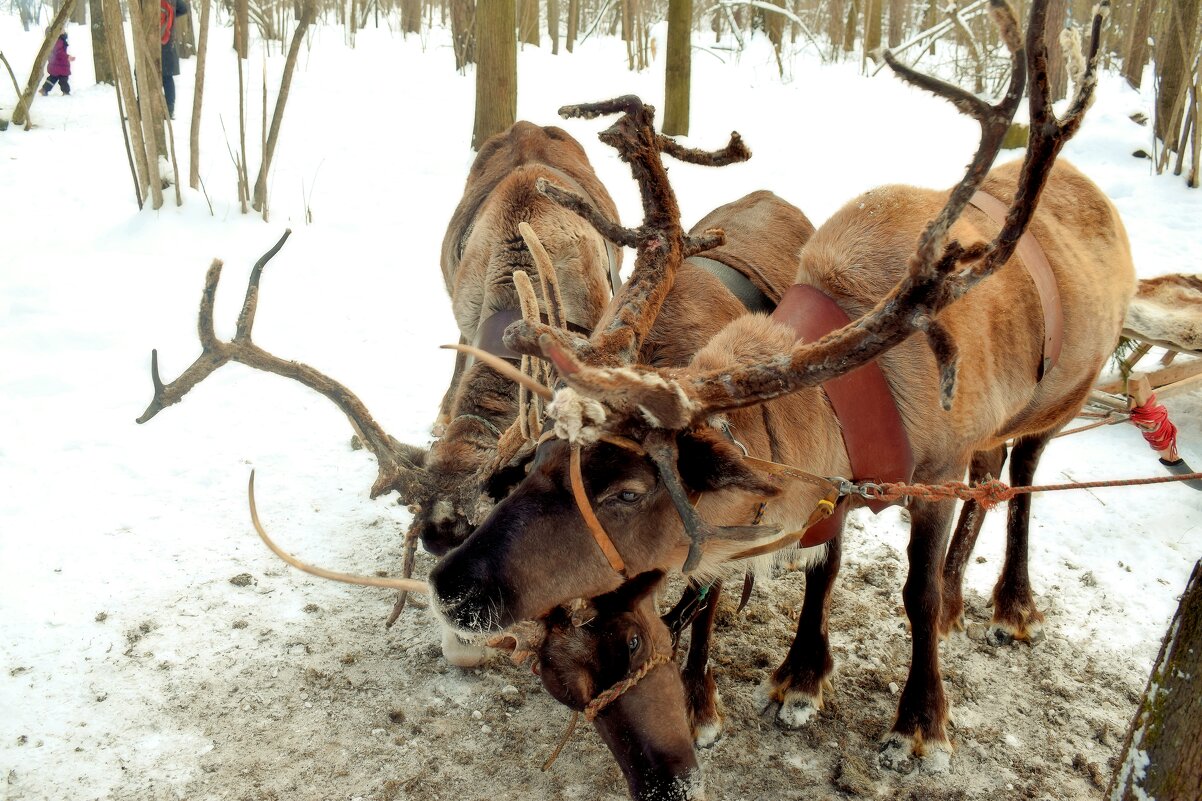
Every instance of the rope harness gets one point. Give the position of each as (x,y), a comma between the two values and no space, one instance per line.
(1152,420)
(606,697)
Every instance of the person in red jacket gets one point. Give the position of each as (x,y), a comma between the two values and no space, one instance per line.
(60,67)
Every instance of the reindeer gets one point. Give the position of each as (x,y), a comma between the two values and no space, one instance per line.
(639,471)
(447,485)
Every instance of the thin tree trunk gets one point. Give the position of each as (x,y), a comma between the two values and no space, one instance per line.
(198,96)
(21,112)
(496,69)
(150,90)
(277,116)
(849,29)
(463,32)
(80,15)
(411,16)
(553,25)
(573,24)
(241,27)
(100,46)
(1057,71)
(897,20)
(125,87)
(678,68)
(1136,56)
(1175,55)
(528,23)
(1162,755)
(872,26)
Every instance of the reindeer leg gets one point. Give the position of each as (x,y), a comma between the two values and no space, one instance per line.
(985,464)
(794,693)
(921,726)
(701,693)
(1014,614)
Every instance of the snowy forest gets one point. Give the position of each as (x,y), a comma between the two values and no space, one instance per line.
(628,525)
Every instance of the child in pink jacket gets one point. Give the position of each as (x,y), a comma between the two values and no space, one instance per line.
(60,67)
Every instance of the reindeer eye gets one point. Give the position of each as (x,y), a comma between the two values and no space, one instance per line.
(634,643)
(628,496)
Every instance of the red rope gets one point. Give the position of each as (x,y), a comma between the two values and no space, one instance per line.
(1153,421)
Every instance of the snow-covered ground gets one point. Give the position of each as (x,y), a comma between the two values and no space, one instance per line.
(134,668)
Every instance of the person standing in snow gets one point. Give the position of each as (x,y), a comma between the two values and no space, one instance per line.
(168,11)
(60,67)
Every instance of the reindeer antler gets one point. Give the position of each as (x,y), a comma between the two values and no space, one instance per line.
(936,276)
(660,241)
(394,459)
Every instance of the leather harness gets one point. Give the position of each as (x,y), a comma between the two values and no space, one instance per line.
(873,434)
(1036,262)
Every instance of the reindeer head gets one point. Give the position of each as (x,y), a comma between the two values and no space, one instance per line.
(613,662)
(620,451)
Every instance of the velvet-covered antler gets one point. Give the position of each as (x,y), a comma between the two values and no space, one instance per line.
(660,242)
(939,271)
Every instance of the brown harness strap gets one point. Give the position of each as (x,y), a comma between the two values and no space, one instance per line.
(739,285)
(1036,262)
(873,434)
(490,334)
(590,517)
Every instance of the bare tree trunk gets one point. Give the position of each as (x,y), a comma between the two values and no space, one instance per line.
(100,46)
(277,116)
(774,26)
(463,32)
(21,112)
(496,69)
(528,22)
(198,96)
(1175,55)
(241,27)
(1135,57)
(834,25)
(573,23)
(872,26)
(553,25)
(411,16)
(628,31)
(125,87)
(678,68)
(849,29)
(1057,73)
(151,105)
(897,20)
(1162,755)
(80,15)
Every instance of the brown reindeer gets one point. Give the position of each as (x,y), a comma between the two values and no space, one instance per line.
(448,484)
(640,472)
(481,251)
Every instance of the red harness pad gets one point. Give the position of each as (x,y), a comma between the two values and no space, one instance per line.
(873,434)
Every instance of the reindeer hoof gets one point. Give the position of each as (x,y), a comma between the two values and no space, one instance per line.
(906,754)
(897,753)
(706,734)
(792,709)
(1004,634)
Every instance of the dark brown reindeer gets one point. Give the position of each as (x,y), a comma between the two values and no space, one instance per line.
(447,485)
(632,446)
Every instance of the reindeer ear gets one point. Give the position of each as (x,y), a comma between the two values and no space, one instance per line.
(629,594)
(708,461)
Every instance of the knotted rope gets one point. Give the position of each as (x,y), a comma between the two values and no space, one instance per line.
(606,697)
(992,492)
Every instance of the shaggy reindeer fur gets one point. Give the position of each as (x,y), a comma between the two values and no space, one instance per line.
(1168,310)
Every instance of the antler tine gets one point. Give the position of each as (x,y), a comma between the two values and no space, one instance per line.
(660,240)
(396,472)
(994,121)
(735,151)
(1048,135)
